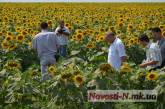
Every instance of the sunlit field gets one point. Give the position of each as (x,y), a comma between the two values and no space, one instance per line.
(86,64)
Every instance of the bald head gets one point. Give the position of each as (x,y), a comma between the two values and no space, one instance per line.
(110,37)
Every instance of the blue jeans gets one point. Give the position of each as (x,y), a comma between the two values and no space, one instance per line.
(63,50)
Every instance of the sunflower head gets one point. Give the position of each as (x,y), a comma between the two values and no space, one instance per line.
(66,76)
(20,38)
(13,64)
(79,36)
(125,68)
(78,79)
(12,47)
(1,34)
(106,68)
(51,69)
(5,45)
(18,29)
(90,45)
(152,76)
(9,38)
(163,33)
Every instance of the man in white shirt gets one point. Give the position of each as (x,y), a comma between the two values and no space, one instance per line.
(46,45)
(157,35)
(116,55)
(153,53)
(63,33)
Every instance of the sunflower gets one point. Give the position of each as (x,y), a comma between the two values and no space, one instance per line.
(66,76)
(18,29)
(78,31)
(20,38)
(141,75)
(91,31)
(152,76)
(9,38)
(130,27)
(106,68)
(67,25)
(111,28)
(131,42)
(13,64)
(12,47)
(24,32)
(161,26)
(50,22)
(5,45)
(90,45)
(125,68)
(78,79)
(1,34)
(51,69)
(163,33)
(77,21)
(100,38)
(79,36)
(120,24)
(9,33)
(102,30)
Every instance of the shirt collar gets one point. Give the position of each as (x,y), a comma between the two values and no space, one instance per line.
(44,31)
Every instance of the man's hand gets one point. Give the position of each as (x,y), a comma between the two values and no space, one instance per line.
(123,59)
(143,65)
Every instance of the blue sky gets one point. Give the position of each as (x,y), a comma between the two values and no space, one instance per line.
(82,0)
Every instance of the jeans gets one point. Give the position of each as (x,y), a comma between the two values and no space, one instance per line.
(63,50)
(45,62)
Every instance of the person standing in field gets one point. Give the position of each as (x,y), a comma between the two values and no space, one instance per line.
(153,54)
(117,54)
(157,35)
(63,34)
(46,45)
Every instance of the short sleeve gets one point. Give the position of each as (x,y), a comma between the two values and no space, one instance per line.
(121,49)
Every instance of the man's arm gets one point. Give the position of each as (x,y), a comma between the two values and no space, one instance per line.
(123,59)
(150,63)
(154,55)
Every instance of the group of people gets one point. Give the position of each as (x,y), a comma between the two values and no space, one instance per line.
(49,44)
(155,50)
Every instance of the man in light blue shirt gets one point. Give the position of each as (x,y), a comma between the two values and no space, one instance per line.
(63,33)
(46,45)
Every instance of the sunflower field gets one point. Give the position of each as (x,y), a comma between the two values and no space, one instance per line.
(86,64)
